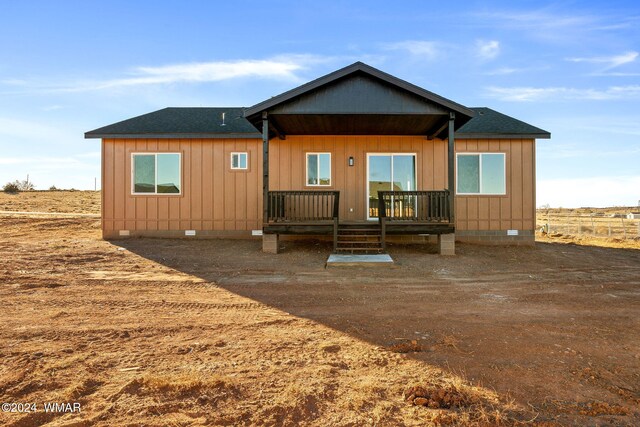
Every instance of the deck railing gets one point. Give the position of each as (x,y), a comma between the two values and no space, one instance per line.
(303,206)
(414,206)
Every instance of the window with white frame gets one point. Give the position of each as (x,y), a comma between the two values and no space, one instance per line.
(481,173)
(155,173)
(318,169)
(239,160)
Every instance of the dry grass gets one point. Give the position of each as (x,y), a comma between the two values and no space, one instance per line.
(81,202)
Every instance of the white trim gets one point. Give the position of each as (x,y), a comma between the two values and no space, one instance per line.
(415,172)
(155,155)
(239,153)
(480,192)
(306,169)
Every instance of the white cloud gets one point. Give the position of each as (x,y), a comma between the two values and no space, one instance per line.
(282,67)
(593,192)
(487,49)
(609,62)
(524,94)
(419,48)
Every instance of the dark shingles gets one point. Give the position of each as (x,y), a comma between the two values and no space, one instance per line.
(182,121)
(489,123)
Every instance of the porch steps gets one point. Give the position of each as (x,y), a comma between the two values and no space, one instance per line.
(360,238)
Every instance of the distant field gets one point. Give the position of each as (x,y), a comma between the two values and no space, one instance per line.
(606,227)
(84,202)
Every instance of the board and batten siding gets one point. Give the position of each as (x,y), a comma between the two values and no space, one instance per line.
(218,201)
(287,165)
(214,199)
(516,209)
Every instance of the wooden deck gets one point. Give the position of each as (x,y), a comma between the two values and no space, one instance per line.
(400,213)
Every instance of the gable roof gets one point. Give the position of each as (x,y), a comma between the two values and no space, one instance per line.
(489,123)
(176,122)
(351,69)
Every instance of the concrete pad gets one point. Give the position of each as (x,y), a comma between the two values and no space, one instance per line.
(347,260)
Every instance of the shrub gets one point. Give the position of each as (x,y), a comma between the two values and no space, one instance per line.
(25,185)
(17,186)
(11,187)
(53,188)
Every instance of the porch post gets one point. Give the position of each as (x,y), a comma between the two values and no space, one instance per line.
(265,168)
(451,165)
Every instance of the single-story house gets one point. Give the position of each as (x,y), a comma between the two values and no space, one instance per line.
(357,154)
(633,215)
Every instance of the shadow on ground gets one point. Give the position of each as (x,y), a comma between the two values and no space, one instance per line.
(525,321)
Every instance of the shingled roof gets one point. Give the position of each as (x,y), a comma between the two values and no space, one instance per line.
(176,122)
(489,123)
(206,122)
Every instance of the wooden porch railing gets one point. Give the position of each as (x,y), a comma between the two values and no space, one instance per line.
(414,206)
(303,206)
(302,209)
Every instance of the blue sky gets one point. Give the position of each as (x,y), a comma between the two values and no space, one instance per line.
(572,68)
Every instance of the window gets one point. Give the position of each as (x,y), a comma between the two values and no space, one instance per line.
(318,169)
(155,173)
(239,160)
(481,173)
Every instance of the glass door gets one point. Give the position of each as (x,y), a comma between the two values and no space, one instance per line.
(388,172)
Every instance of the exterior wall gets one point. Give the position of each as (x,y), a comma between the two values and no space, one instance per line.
(219,202)
(287,166)
(485,219)
(215,200)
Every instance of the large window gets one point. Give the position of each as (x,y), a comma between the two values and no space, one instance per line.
(481,173)
(155,173)
(318,169)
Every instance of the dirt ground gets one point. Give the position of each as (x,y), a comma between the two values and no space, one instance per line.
(178,332)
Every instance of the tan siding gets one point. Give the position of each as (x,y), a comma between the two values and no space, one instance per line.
(516,209)
(208,186)
(216,198)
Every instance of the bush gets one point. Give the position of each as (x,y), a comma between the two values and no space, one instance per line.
(11,187)
(53,188)
(17,186)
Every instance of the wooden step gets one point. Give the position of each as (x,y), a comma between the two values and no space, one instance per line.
(359,238)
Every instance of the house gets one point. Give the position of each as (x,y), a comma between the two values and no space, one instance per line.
(357,154)
(633,215)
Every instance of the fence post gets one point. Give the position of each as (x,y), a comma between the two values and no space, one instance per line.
(579,225)
(624,229)
(609,224)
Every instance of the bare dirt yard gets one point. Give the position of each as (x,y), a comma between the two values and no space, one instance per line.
(179,332)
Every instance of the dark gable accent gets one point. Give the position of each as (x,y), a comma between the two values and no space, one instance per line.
(358,94)
(368,96)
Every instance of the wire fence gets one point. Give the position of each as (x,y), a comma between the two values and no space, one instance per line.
(581,224)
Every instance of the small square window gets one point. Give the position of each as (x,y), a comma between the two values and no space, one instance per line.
(239,160)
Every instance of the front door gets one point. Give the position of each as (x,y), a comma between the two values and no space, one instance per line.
(388,172)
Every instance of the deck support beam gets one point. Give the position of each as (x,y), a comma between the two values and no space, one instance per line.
(450,167)
(265,168)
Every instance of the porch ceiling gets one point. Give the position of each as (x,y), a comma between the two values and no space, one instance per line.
(358,124)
